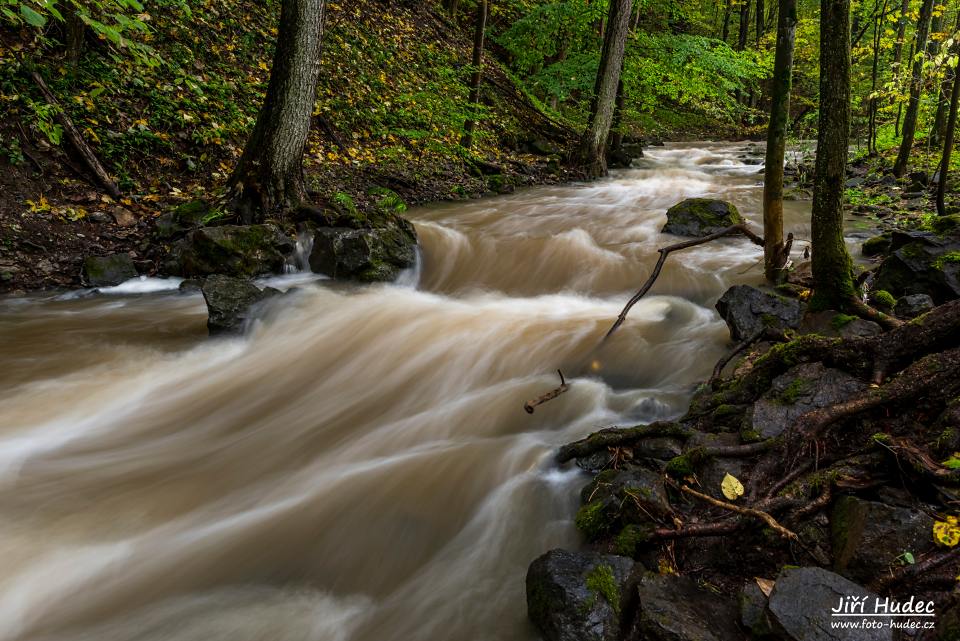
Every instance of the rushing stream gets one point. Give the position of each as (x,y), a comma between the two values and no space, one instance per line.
(358,466)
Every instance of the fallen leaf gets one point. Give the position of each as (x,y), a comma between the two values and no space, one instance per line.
(731,487)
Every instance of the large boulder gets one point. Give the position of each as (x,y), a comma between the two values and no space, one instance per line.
(231,302)
(801,389)
(698,217)
(747,310)
(672,608)
(922,263)
(870,538)
(576,596)
(235,250)
(103,271)
(364,254)
(801,604)
(913,305)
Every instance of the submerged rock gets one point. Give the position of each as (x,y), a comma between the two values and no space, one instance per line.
(235,250)
(747,310)
(231,302)
(801,602)
(576,596)
(869,537)
(699,217)
(103,271)
(364,254)
(672,608)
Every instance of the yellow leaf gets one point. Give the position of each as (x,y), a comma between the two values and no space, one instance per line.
(731,487)
(765,585)
(947,532)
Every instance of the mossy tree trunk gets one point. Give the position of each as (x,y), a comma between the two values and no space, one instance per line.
(269,179)
(949,136)
(590,155)
(773,248)
(916,86)
(480,28)
(832,266)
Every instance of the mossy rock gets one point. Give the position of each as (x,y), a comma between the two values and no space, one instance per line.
(103,271)
(698,217)
(876,246)
(922,264)
(365,254)
(234,250)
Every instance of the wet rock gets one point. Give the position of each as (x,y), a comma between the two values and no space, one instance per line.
(618,159)
(672,608)
(699,217)
(747,310)
(576,596)
(801,602)
(876,245)
(231,302)
(868,537)
(833,323)
(922,263)
(103,271)
(913,305)
(123,217)
(234,250)
(856,181)
(795,392)
(945,225)
(616,498)
(364,254)
(753,610)
(183,218)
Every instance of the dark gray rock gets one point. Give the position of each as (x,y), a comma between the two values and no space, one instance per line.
(672,608)
(795,392)
(801,602)
(913,305)
(182,219)
(576,596)
(747,310)
(876,245)
(753,610)
(869,537)
(618,497)
(922,263)
(231,302)
(364,254)
(234,250)
(832,323)
(699,217)
(103,271)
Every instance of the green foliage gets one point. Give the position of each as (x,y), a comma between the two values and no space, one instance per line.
(602,582)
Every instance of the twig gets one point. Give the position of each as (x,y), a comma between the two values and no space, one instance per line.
(746,511)
(83,149)
(733,230)
(549,396)
(742,345)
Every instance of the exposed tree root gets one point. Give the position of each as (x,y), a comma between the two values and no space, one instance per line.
(745,511)
(909,572)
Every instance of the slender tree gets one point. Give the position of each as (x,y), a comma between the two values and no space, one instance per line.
(874,75)
(832,266)
(916,86)
(269,176)
(744,25)
(773,247)
(590,154)
(761,26)
(476,77)
(728,9)
(939,129)
(950,134)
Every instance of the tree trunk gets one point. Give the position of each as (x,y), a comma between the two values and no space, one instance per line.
(872,107)
(74,32)
(726,20)
(777,141)
(744,25)
(269,176)
(949,137)
(939,129)
(832,266)
(759,19)
(590,155)
(901,34)
(615,140)
(480,28)
(451,7)
(916,85)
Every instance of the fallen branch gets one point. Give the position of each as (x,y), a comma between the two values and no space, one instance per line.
(739,347)
(81,146)
(908,572)
(746,511)
(549,396)
(923,463)
(733,230)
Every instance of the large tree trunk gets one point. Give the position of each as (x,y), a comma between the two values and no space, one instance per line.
(590,155)
(480,29)
(773,259)
(950,134)
(916,86)
(269,176)
(832,267)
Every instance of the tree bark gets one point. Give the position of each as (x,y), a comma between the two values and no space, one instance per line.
(874,72)
(590,155)
(759,20)
(744,25)
(777,141)
(269,176)
(615,140)
(480,29)
(939,129)
(916,85)
(949,136)
(832,266)
(451,7)
(728,9)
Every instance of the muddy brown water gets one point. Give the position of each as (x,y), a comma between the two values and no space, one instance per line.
(358,466)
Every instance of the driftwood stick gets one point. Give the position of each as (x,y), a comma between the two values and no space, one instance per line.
(81,146)
(733,230)
(549,396)
(746,511)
